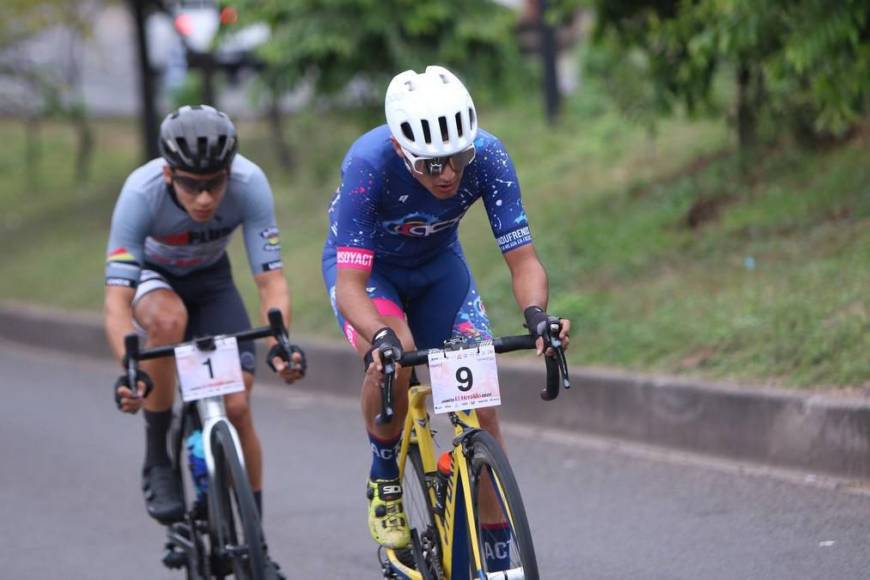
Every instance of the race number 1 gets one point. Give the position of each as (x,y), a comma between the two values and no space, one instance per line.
(209,373)
(464,379)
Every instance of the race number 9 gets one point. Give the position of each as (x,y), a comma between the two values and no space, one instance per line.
(465,378)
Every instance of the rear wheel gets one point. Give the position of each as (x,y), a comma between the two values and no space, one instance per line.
(237,537)
(502,528)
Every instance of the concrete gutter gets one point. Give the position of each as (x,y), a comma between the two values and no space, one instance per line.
(806,431)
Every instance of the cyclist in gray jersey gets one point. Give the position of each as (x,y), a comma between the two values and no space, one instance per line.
(168,276)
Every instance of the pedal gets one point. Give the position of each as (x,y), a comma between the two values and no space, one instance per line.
(173,558)
(386,567)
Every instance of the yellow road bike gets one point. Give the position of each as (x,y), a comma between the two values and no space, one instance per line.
(464,508)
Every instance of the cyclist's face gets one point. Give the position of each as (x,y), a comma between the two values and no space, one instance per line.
(444,185)
(199,194)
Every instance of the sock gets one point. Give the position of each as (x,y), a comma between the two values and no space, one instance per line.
(384,452)
(156,428)
(258,499)
(496,546)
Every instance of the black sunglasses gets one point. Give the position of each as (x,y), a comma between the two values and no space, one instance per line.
(193,184)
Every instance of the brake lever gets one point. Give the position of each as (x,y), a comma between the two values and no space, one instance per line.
(386,414)
(557,367)
(279,331)
(131,348)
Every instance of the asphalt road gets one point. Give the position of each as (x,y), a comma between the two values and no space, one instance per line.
(70,504)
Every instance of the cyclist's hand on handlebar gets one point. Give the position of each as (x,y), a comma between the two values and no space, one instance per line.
(289,372)
(123,395)
(538,323)
(384,340)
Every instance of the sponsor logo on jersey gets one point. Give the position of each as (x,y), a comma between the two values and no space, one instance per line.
(356,258)
(514,239)
(124,282)
(120,255)
(419,225)
(194,237)
(270,234)
(274,265)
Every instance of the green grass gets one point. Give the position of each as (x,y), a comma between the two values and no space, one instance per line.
(771,290)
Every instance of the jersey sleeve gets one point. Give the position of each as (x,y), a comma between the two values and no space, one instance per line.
(260,228)
(502,199)
(125,254)
(357,213)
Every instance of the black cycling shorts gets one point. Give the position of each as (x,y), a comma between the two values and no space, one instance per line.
(212,300)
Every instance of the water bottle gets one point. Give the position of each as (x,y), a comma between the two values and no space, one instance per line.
(196,462)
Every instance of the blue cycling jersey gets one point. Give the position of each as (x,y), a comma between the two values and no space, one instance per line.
(380,209)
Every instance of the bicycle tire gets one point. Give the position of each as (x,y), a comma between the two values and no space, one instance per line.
(237,509)
(487,456)
(183,422)
(418,508)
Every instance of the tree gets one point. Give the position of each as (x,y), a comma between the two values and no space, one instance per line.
(804,64)
(43,91)
(332,43)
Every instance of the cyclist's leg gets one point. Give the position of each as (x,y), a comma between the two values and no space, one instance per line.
(387,521)
(216,307)
(385,296)
(161,315)
(449,305)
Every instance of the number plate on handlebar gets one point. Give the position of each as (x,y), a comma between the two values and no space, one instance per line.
(464,379)
(209,373)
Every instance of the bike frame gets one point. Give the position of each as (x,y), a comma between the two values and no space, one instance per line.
(455,518)
(449,524)
(212,412)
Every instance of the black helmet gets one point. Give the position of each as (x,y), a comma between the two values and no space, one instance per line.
(199,139)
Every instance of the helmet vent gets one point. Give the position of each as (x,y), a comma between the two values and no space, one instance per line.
(427,134)
(459,123)
(471,118)
(183,147)
(202,148)
(445,135)
(221,145)
(406,130)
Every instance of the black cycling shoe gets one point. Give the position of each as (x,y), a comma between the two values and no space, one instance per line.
(276,573)
(163,498)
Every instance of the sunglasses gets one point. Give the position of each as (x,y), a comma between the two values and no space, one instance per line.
(193,184)
(435,165)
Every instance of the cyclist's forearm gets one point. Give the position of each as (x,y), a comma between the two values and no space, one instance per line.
(528,277)
(118,311)
(274,293)
(356,306)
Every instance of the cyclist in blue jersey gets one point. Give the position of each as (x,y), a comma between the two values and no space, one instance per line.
(393,265)
(168,277)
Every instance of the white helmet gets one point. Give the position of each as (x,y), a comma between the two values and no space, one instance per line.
(430,114)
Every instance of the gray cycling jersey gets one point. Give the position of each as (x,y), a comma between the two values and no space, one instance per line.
(150,227)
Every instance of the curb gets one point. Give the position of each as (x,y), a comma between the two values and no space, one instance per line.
(810,432)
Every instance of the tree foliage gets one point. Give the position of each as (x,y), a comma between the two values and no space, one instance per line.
(804,61)
(334,41)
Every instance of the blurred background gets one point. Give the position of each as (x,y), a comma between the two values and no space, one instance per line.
(697,174)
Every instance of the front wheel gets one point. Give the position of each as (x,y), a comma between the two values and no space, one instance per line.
(418,508)
(502,528)
(237,537)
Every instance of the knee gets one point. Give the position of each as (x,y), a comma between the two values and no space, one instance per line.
(165,328)
(238,411)
(488,418)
